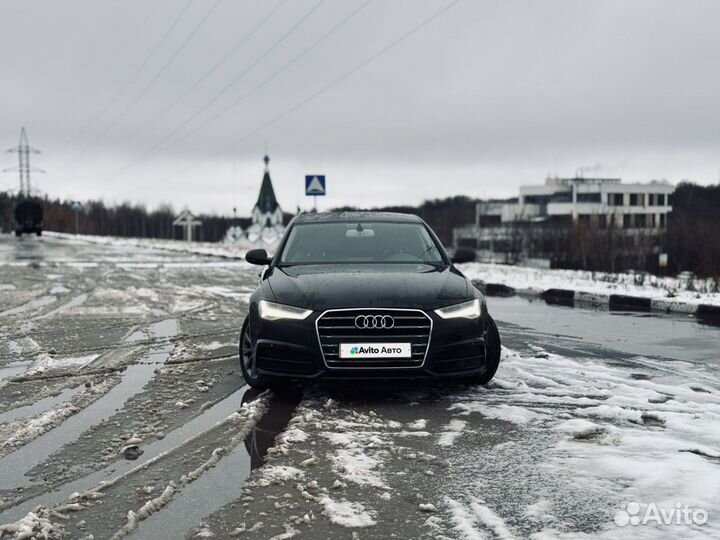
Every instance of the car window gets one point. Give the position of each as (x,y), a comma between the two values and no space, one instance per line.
(348,242)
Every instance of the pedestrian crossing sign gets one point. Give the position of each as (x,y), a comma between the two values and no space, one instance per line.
(315,185)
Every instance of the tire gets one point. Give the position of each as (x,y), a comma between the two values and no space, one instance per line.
(38,232)
(247,358)
(18,234)
(492,353)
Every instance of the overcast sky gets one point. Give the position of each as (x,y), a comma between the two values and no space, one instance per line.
(174,101)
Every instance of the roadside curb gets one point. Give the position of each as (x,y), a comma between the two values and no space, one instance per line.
(615,302)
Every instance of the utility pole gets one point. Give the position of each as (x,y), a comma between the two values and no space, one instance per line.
(77,207)
(23,150)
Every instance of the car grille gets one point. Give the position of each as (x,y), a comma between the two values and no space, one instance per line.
(461,358)
(338,326)
(274,357)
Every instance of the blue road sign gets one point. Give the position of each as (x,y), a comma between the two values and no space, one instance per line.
(315,185)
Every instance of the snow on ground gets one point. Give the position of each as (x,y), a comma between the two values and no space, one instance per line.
(215,249)
(451,432)
(467,518)
(20,432)
(347,514)
(595,283)
(652,441)
(46,362)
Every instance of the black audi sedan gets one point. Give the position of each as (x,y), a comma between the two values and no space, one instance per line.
(365,295)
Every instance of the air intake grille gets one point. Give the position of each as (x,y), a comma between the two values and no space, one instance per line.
(408,326)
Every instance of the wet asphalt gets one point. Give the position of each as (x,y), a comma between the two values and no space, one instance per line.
(104,347)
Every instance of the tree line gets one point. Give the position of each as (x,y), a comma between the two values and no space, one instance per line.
(126,219)
(692,241)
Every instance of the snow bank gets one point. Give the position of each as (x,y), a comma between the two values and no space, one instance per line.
(668,292)
(214,249)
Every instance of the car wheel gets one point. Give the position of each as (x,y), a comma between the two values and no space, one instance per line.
(492,352)
(247,359)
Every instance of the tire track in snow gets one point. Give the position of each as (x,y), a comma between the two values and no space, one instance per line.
(14,466)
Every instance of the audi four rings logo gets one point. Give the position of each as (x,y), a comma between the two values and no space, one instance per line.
(374,321)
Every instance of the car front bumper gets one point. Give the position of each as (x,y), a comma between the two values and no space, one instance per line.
(293,349)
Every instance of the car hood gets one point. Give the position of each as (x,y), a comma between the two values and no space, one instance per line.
(321,287)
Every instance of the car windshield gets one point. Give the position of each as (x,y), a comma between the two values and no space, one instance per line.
(353,242)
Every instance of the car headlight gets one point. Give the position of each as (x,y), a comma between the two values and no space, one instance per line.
(466,310)
(270,311)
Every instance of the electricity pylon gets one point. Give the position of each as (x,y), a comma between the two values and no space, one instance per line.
(23,150)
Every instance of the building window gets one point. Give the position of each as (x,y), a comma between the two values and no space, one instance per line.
(634,199)
(626,221)
(640,220)
(602,221)
(661,199)
(615,199)
(662,220)
(589,198)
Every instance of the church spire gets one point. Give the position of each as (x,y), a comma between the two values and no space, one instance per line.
(266,202)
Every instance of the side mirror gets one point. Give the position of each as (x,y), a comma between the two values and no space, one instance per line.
(258,256)
(463,255)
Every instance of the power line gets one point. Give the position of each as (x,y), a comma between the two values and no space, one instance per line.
(152,81)
(264,83)
(132,77)
(323,89)
(235,80)
(208,73)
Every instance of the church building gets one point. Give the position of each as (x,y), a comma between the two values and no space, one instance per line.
(267,216)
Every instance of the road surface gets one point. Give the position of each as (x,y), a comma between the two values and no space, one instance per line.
(123,413)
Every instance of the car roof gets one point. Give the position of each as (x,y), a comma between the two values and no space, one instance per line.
(326,217)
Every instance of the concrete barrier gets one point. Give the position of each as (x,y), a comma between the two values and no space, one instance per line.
(591,299)
(622,302)
(496,289)
(708,311)
(493,289)
(563,297)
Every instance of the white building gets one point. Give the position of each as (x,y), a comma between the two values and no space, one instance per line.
(606,201)
(631,218)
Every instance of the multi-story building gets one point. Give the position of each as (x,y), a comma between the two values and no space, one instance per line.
(570,221)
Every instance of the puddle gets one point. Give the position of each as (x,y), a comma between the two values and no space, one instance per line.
(39,406)
(32,304)
(173,439)
(11,370)
(77,301)
(221,484)
(14,466)
(215,488)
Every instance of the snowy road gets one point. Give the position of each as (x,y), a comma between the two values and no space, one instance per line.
(598,424)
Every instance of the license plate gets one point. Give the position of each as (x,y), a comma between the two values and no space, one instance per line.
(375,350)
